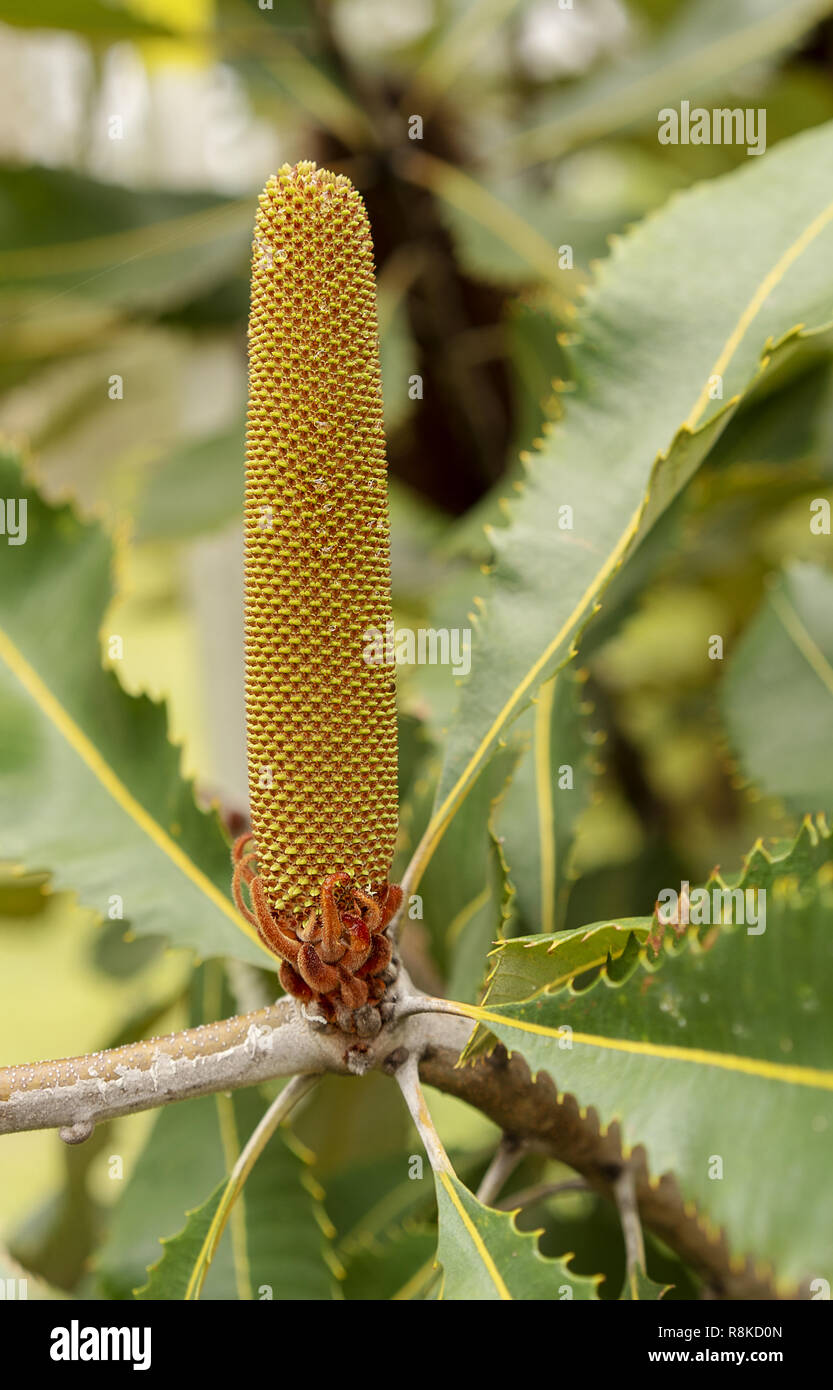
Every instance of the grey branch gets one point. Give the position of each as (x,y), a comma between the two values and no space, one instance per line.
(73,1094)
(407,1077)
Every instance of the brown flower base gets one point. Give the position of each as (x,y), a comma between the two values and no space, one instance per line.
(335,958)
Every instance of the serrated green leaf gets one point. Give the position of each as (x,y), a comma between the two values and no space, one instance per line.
(282,1235)
(669,316)
(93,791)
(182,1157)
(777,693)
(639,1288)
(485,1257)
(277,1243)
(170,1276)
(526,964)
(483,927)
(712,1042)
(787,428)
(523,967)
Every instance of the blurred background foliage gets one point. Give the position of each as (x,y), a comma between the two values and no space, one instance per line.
(135,139)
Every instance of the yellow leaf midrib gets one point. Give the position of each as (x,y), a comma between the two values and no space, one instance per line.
(755,1066)
(476,1238)
(545,803)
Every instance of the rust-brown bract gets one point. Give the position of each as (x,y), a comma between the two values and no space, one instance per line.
(321,720)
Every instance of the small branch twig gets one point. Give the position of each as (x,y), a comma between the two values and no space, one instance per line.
(418,1003)
(624,1190)
(540,1192)
(508,1154)
(408,1078)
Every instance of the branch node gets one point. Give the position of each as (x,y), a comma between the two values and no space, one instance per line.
(76,1133)
(395,1060)
(357,1061)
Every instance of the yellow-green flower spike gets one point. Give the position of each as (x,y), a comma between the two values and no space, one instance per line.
(320,718)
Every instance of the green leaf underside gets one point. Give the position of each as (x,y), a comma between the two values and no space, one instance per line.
(181,1159)
(116,250)
(784,662)
(698,54)
(470,965)
(390,1265)
(92,788)
(464,892)
(707,1044)
(169,1278)
(501,231)
(669,312)
(537,817)
(485,1257)
(172,508)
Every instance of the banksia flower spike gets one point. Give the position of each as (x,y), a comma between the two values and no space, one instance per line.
(321,719)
